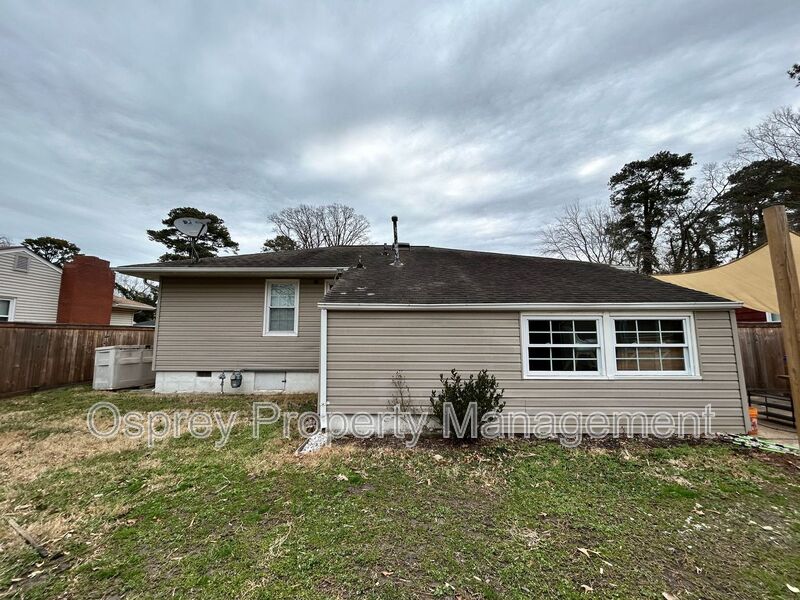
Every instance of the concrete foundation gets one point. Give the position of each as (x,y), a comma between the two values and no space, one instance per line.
(253,382)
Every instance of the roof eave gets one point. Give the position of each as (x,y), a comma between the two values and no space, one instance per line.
(538,306)
(133,308)
(194,271)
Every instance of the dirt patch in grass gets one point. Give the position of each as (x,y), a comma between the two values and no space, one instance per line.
(790,463)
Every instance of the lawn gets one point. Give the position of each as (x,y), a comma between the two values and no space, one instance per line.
(507,519)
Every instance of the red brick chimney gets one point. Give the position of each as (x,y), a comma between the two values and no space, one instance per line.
(87,288)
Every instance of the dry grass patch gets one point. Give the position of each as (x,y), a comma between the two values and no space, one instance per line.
(25,455)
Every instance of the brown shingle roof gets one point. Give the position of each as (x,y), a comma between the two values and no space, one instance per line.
(432,275)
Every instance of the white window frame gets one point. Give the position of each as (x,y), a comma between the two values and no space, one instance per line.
(607,356)
(691,370)
(528,374)
(12,305)
(267,288)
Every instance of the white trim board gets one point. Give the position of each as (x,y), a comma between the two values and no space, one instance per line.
(499,306)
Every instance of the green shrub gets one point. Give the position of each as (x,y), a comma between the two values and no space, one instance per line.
(466,402)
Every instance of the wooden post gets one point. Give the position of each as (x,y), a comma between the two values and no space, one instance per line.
(785,273)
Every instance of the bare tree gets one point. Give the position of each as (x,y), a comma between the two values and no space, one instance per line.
(776,137)
(582,234)
(135,288)
(695,228)
(5,241)
(320,226)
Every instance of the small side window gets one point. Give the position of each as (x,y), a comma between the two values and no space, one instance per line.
(281,307)
(21,262)
(6,310)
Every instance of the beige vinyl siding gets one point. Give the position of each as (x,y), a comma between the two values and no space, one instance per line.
(366,348)
(121,317)
(35,291)
(209,324)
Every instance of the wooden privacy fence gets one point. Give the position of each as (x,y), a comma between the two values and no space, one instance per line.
(34,355)
(763,356)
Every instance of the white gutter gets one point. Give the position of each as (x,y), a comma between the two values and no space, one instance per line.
(323,369)
(725,305)
(231,271)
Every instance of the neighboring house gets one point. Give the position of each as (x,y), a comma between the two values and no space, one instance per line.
(33,290)
(29,286)
(558,335)
(747,279)
(122,311)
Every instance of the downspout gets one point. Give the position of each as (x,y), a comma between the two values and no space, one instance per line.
(323,369)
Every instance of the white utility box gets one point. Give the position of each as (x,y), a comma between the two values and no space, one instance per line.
(119,367)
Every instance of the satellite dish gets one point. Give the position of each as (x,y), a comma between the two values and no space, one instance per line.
(191,227)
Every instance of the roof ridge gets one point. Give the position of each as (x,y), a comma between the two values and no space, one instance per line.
(537,256)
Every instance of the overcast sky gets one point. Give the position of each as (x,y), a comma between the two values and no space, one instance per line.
(472,121)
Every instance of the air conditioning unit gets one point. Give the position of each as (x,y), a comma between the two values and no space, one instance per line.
(120,367)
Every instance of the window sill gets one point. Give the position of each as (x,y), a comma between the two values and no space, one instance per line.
(279,334)
(613,377)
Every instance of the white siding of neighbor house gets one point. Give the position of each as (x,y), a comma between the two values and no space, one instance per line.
(121,317)
(35,292)
(211,324)
(366,348)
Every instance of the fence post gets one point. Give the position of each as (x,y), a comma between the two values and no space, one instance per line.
(785,273)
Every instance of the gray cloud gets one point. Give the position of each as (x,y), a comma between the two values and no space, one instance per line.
(472,121)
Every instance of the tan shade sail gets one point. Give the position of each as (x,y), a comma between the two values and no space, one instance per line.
(747,279)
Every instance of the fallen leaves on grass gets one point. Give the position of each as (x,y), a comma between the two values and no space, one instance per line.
(530,537)
(587,552)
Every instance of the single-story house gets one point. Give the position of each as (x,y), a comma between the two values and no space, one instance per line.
(33,290)
(558,335)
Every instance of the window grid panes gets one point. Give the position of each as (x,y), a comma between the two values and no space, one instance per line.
(282,304)
(651,345)
(563,346)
